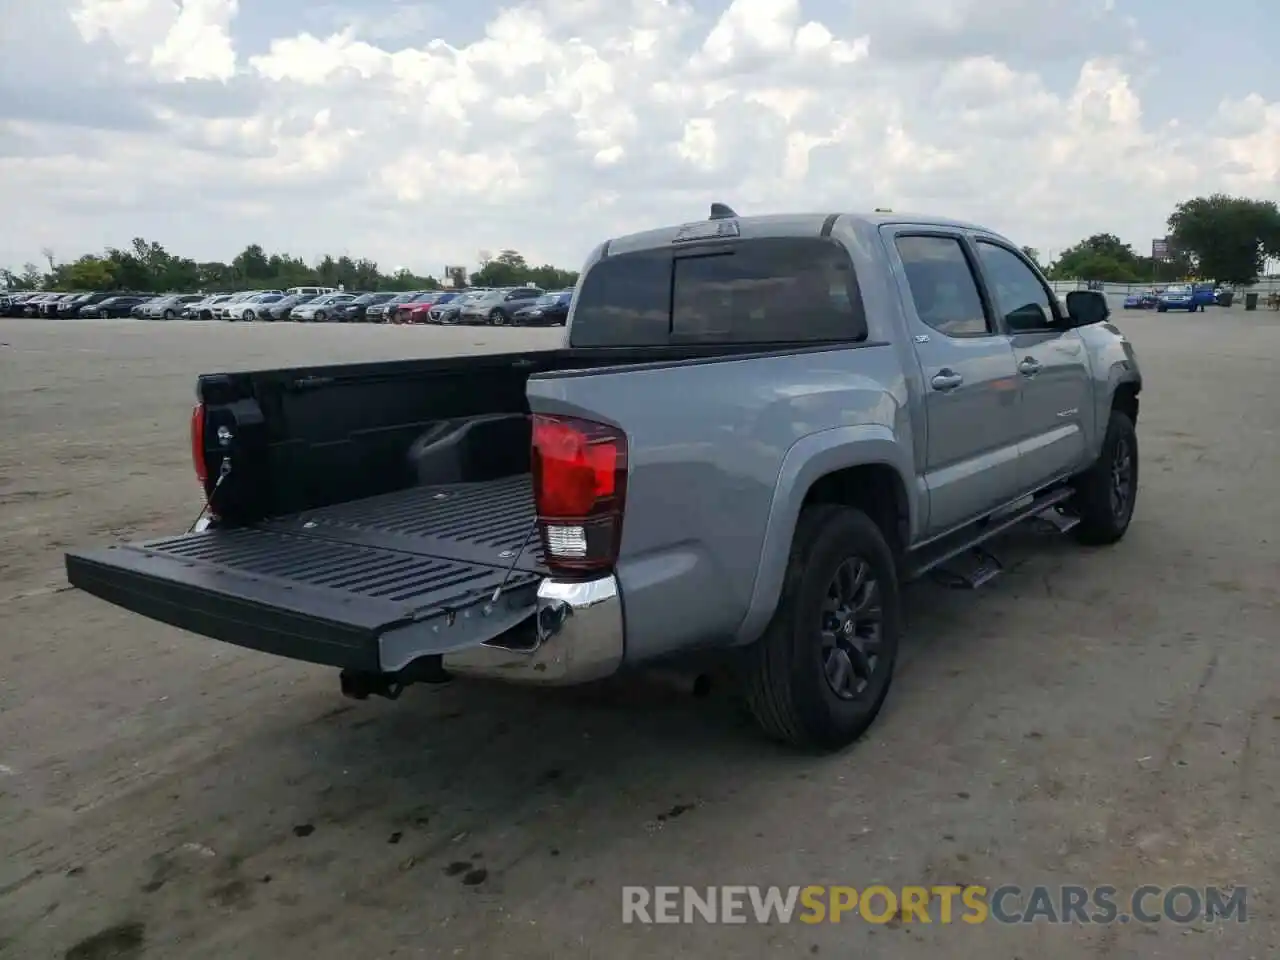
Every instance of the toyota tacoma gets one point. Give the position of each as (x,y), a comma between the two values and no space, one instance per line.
(756,430)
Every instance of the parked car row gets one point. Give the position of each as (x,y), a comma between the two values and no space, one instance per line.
(1180,296)
(497,306)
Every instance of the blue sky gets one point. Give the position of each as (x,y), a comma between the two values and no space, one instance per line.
(421,134)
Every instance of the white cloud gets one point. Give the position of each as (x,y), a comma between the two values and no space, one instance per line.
(564,121)
(187,40)
(1253,146)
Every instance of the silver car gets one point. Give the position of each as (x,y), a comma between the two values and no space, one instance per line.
(168,308)
(321,308)
(495,307)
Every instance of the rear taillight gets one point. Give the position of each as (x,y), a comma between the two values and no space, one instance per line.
(197,445)
(579,489)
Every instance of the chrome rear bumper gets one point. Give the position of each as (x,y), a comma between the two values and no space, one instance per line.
(579,637)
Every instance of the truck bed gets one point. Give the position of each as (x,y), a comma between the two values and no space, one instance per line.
(325,585)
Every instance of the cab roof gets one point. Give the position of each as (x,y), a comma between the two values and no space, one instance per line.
(779,225)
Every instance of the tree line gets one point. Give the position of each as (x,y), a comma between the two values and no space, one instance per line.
(1219,237)
(147,267)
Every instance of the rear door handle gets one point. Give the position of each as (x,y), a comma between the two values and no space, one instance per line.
(946,379)
(1029,367)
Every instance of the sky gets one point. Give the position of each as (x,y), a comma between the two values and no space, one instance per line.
(423,134)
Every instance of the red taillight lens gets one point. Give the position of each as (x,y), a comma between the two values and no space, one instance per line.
(579,486)
(197,445)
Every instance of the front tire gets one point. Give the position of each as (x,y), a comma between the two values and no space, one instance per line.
(819,675)
(170,315)
(497,318)
(1107,492)
(321,316)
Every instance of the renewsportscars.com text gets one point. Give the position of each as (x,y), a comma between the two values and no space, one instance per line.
(1008,904)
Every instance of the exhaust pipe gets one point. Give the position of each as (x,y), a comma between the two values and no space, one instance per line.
(361,686)
(697,685)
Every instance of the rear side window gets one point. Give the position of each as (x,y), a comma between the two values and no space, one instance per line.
(943,288)
(763,291)
(625,301)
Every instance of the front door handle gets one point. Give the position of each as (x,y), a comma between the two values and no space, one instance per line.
(946,379)
(1029,367)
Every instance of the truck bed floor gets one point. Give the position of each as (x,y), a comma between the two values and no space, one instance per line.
(484,523)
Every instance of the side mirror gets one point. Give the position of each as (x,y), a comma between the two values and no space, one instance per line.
(1085,307)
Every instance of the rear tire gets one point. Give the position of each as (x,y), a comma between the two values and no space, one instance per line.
(1107,492)
(797,678)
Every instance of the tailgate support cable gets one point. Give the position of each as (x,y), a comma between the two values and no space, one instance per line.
(514,560)
(223,473)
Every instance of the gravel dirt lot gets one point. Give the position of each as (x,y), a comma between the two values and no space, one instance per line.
(1092,717)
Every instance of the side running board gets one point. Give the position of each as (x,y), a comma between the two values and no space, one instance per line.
(977,566)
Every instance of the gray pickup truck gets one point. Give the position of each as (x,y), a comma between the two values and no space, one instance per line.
(757,429)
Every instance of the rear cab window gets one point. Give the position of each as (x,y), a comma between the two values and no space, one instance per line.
(771,291)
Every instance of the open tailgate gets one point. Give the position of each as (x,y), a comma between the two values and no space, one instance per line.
(369,586)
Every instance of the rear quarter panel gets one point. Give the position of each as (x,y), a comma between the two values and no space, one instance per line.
(707,445)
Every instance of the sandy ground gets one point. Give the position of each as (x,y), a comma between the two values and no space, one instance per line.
(1105,717)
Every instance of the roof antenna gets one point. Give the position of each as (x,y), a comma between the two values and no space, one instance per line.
(722,211)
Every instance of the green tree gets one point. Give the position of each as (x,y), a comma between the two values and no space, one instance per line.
(1103,256)
(146,266)
(90,272)
(252,265)
(507,269)
(510,269)
(1032,254)
(128,271)
(553,278)
(1227,239)
(29,279)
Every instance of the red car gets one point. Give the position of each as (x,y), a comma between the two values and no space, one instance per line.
(415,311)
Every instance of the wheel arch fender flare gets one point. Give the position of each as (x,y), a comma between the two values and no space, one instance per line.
(807,461)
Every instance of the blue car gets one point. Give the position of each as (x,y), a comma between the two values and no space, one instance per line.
(1146,300)
(1185,296)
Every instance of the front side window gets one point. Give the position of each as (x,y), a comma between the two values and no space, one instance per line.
(1019,294)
